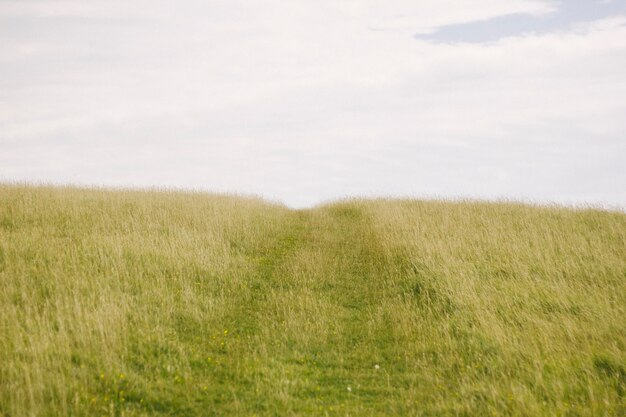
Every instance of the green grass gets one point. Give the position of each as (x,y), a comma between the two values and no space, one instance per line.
(120,303)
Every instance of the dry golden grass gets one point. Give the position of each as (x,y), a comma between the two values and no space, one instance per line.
(164,303)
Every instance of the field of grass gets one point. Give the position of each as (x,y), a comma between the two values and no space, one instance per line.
(134,303)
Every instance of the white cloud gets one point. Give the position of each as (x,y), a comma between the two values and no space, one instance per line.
(304,101)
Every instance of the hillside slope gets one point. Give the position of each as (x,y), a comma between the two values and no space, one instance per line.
(160,303)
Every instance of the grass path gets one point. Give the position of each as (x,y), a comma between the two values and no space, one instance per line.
(337,365)
(300,329)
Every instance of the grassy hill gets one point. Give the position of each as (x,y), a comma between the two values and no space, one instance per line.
(120,303)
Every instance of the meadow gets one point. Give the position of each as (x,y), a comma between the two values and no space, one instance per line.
(162,303)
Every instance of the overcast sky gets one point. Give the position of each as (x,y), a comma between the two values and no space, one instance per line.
(304,101)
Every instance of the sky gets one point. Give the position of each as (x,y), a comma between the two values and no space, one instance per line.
(304,101)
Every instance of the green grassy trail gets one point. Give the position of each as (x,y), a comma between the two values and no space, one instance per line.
(116,303)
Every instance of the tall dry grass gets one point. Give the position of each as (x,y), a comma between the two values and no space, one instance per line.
(165,303)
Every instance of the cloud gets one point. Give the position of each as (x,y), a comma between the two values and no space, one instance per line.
(562,16)
(305,101)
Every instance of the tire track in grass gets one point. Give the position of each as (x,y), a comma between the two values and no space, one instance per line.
(268,260)
(245,322)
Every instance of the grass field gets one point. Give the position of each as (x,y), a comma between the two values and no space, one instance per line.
(120,303)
